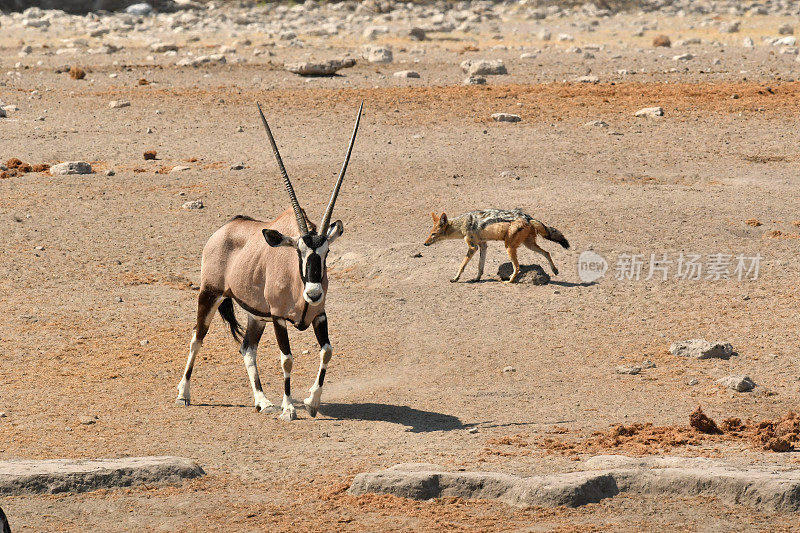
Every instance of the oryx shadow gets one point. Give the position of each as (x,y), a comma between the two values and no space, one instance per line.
(417,421)
(239,405)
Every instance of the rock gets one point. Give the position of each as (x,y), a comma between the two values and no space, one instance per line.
(483,67)
(110,172)
(27,49)
(650,112)
(701,349)
(788,50)
(416,34)
(377,54)
(596,124)
(321,68)
(149,155)
(544,35)
(406,74)
(81,475)
(786,29)
(87,420)
(683,57)
(3,113)
(71,167)
(371,32)
(747,42)
(118,104)
(632,370)
(565,37)
(648,364)
(662,40)
(178,168)
(160,48)
(588,79)
(791,40)
(729,27)
(474,80)
(702,423)
(202,60)
(692,382)
(508,175)
(737,383)
(237,166)
(141,10)
(423,482)
(506,117)
(472,430)
(509,369)
(194,204)
(528,55)
(533,274)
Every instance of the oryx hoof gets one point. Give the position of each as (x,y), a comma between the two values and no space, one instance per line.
(310,407)
(183,402)
(288,415)
(265,406)
(453,280)
(555,271)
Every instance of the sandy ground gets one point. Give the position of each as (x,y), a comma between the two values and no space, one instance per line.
(418,361)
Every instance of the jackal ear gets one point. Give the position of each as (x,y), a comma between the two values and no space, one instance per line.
(276,238)
(443,218)
(337,228)
(434,217)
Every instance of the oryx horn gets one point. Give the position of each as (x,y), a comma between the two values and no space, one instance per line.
(301,219)
(326,219)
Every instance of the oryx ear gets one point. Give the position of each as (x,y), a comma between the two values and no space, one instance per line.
(276,238)
(337,228)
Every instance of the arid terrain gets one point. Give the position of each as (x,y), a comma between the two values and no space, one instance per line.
(98,272)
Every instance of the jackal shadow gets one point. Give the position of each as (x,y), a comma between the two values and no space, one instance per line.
(415,420)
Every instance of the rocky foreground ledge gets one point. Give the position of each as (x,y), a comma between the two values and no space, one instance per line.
(603,477)
(82,475)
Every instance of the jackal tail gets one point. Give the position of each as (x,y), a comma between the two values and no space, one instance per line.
(551,234)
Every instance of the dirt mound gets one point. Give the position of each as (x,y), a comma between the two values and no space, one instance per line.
(777,435)
(699,421)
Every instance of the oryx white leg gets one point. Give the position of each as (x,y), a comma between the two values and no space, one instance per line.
(325,353)
(282,336)
(249,349)
(207,304)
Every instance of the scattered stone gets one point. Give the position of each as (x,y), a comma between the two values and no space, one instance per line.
(632,370)
(692,382)
(194,204)
(505,117)
(683,57)
(508,175)
(662,40)
(472,430)
(322,68)
(53,476)
(786,29)
(237,166)
(737,383)
(178,168)
(161,47)
(416,34)
(144,342)
(142,9)
(747,42)
(702,349)
(149,155)
(533,274)
(483,67)
(596,124)
(71,167)
(474,80)
(88,420)
(77,73)
(377,54)
(648,364)
(791,40)
(509,369)
(650,112)
(406,74)
(588,79)
(110,172)
(118,104)
(544,35)
(202,60)
(371,32)
(699,421)
(3,112)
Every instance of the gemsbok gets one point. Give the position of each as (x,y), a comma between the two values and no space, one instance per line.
(282,280)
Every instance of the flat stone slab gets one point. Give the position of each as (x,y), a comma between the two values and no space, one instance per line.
(768,489)
(51,476)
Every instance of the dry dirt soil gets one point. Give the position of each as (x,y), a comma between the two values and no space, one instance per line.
(97,323)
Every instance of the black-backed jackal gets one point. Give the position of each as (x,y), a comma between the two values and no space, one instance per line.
(513,227)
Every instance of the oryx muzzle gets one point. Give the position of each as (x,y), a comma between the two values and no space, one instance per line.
(270,284)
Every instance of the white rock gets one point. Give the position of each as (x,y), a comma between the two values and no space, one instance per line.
(544,35)
(650,112)
(509,369)
(786,29)
(528,55)
(406,74)
(597,124)
(737,383)
(791,40)
(27,49)
(747,42)
(474,80)
(371,32)
(788,50)
(71,167)
(179,168)
(701,349)
(194,204)
(588,79)
(117,104)
(141,10)
(377,54)
(160,47)
(202,60)
(321,68)
(632,370)
(683,57)
(506,117)
(565,37)
(729,27)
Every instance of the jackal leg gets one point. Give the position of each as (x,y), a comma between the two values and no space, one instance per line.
(325,353)
(481,261)
(512,254)
(207,304)
(470,253)
(282,337)
(531,245)
(255,328)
